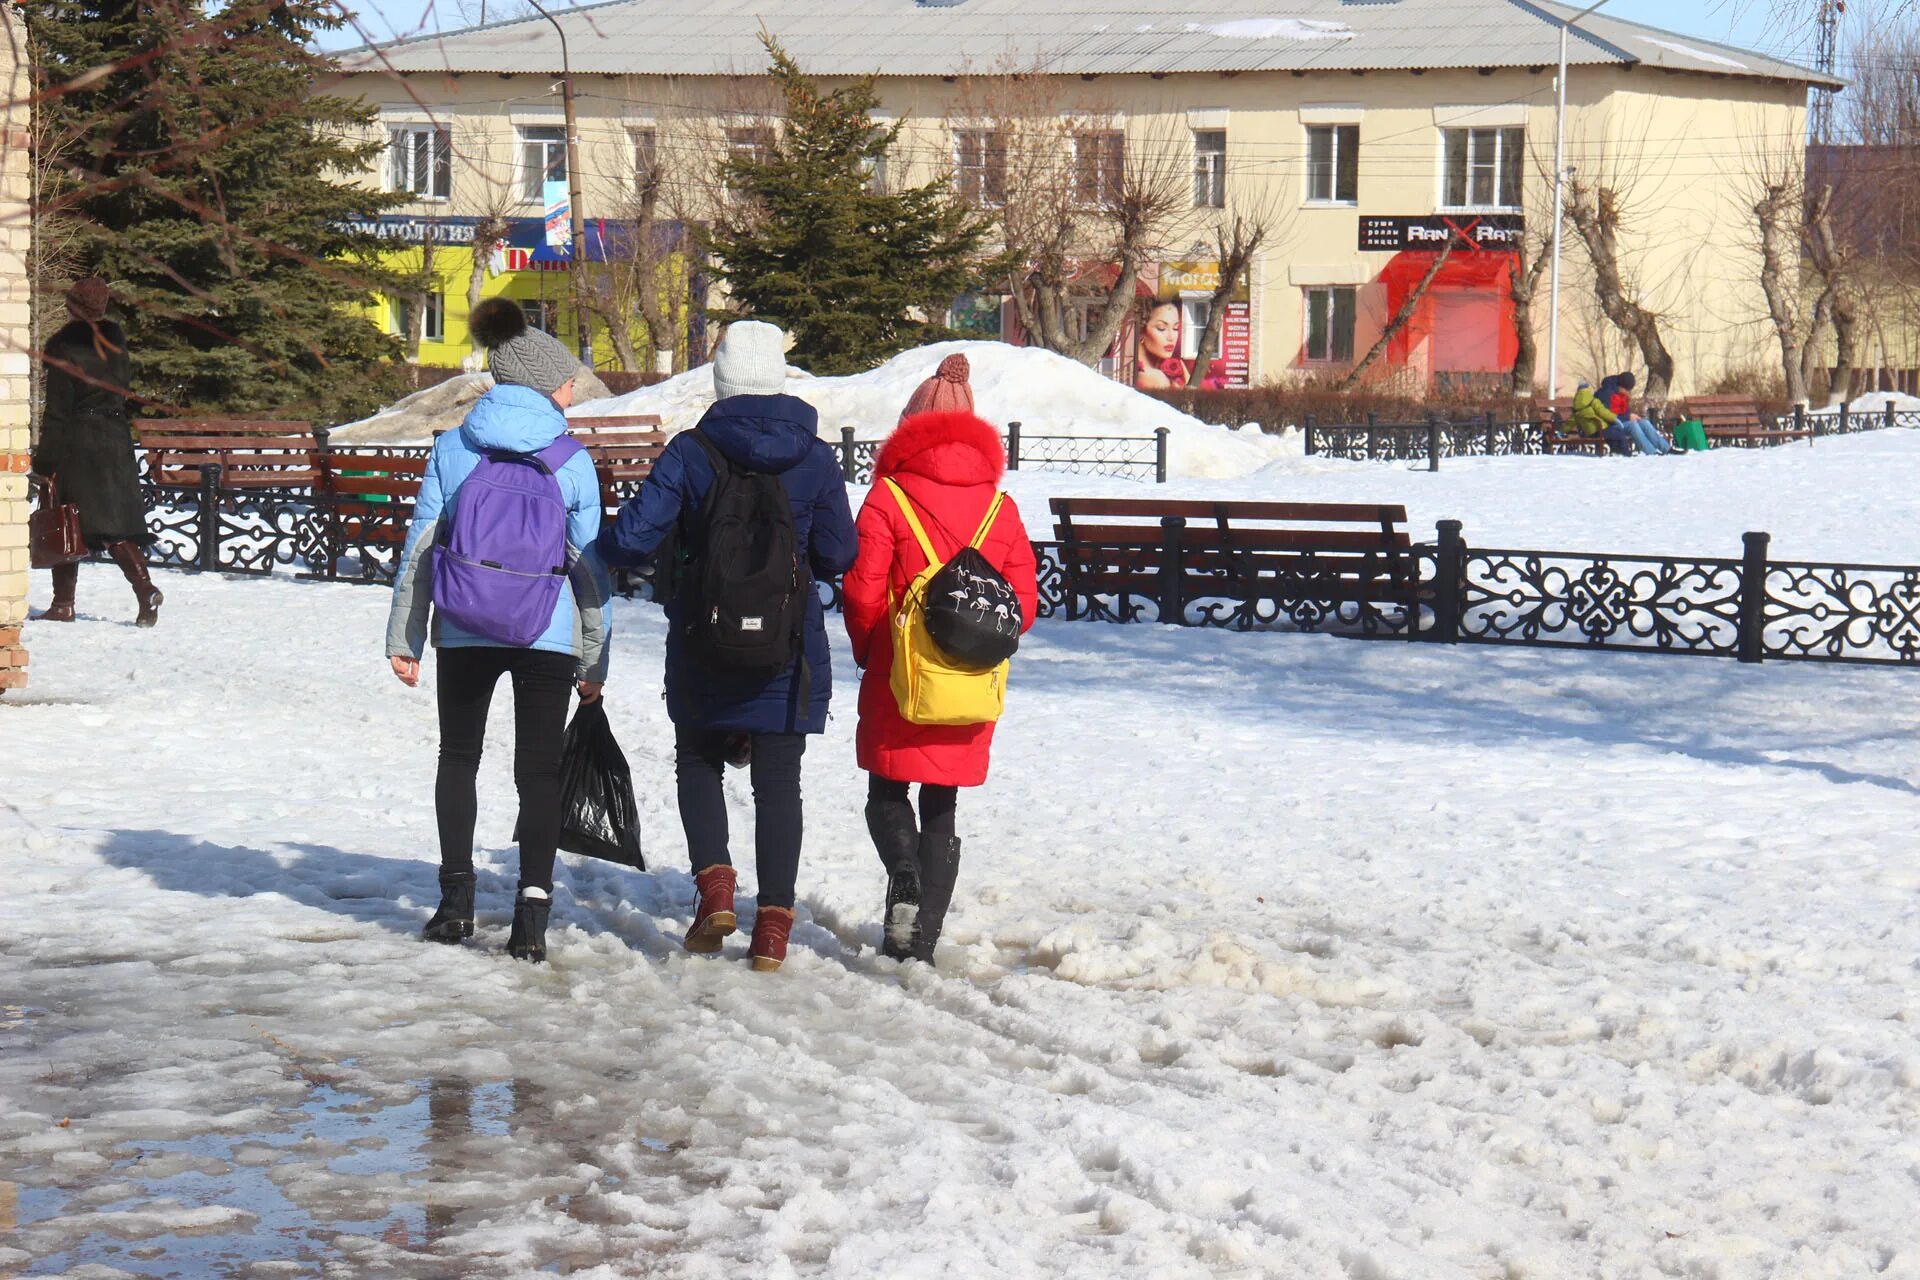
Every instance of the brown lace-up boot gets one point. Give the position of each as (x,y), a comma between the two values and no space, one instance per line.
(713,919)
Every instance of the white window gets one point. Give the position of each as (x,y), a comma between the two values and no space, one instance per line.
(753,144)
(433,319)
(1480,168)
(1209,168)
(646,160)
(420,160)
(541,314)
(1193,323)
(1333,163)
(1099,167)
(980,166)
(543,158)
(876,164)
(1330,324)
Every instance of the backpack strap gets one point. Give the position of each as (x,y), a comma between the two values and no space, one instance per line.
(559,453)
(986,523)
(913,522)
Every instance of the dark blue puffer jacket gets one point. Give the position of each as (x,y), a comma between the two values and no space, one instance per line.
(777,435)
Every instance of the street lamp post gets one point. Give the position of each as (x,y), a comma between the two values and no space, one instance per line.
(1559,187)
(576,258)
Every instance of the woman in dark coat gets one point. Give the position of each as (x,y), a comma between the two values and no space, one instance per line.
(86,447)
(720,714)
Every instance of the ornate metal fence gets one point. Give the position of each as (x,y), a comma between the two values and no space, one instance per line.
(1127,457)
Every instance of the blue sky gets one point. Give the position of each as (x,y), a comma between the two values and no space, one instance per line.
(1743,22)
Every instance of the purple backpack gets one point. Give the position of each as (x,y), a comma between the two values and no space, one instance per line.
(501,561)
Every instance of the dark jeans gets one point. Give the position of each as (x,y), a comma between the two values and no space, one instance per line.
(542,690)
(937,804)
(699,761)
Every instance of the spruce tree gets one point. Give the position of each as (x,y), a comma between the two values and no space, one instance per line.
(855,274)
(205,182)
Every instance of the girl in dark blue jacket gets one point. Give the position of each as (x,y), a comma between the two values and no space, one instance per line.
(717,712)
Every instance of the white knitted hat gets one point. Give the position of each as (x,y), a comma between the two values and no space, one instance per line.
(751,360)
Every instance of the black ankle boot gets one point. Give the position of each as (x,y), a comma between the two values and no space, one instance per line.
(453,922)
(896,838)
(939,870)
(528,941)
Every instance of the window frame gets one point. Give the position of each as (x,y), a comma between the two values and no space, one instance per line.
(753,142)
(1333,294)
(982,179)
(1342,165)
(1209,170)
(646,157)
(438,161)
(1099,168)
(1509,150)
(533,178)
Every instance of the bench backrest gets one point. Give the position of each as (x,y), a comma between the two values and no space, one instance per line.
(245,462)
(1724,411)
(157,428)
(351,474)
(1238,526)
(586,427)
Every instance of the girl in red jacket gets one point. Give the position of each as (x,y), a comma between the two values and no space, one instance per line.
(949,464)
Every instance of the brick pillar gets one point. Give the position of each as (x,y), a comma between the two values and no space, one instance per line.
(16,342)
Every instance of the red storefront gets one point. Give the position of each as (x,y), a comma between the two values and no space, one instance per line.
(1462,328)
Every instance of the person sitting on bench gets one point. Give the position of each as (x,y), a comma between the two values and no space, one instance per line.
(1646,437)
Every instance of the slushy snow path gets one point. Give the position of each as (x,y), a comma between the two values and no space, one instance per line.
(1274,956)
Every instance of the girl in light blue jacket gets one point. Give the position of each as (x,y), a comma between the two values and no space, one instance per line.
(522,414)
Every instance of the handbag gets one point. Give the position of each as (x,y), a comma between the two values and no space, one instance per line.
(54,536)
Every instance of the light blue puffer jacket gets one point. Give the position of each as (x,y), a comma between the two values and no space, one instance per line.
(521,420)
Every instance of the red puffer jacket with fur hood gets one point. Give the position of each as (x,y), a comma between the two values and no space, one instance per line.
(950,466)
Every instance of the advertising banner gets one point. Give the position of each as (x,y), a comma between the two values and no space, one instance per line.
(559,218)
(1431,232)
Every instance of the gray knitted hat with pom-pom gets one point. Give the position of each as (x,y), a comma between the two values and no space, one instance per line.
(517,355)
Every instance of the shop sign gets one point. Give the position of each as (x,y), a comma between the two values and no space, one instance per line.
(1431,233)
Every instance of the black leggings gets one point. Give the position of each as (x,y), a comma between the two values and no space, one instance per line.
(542,689)
(700,761)
(937,803)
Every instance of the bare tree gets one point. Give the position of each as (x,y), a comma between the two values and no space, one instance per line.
(1075,197)
(1598,215)
(1832,265)
(1399,321)
(1240,231)
(1777,215)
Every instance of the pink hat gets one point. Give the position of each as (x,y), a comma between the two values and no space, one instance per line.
(945,392)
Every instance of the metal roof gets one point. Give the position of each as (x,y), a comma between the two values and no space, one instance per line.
(1067,37)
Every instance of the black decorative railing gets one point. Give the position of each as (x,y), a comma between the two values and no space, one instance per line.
(1126,457)
(1748,607)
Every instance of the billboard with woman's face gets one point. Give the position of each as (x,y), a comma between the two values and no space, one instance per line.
(1157,362)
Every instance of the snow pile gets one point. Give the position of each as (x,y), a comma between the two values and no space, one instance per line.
(1697,54)
(1047,394)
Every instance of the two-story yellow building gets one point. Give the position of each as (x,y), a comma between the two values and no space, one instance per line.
(1371,133)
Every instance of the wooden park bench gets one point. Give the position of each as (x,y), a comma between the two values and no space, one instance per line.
(251,453)
(623,450)
(372,496)
(1305,559)
(1736,420)
(1556,435)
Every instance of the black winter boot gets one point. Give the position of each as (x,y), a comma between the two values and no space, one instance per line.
(528,941)
(453,922)
(896,838)
(939,869)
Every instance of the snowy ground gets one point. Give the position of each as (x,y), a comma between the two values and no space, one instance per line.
(1275,956)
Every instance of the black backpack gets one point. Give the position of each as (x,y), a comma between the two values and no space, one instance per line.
(745,580)
(970,608)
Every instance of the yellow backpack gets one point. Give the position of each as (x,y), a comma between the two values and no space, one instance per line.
(931,687)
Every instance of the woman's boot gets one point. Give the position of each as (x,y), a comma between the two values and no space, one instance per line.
(713,917)
(66,579)
(133,562)
(771,925)
(896,838)
(528,941)
(453,922)
(939,870)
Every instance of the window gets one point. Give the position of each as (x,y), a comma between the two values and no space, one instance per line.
(420,160)
(1330,324)
(543,158)
(1333,163)
(541,314)
(753,144)
(1481,168)
(980,166)
(876,164)
(1099,168)
(433,324)
(1209,168)
(1194,313)
(646,160)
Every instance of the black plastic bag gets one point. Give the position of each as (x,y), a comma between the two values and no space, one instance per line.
(598,815)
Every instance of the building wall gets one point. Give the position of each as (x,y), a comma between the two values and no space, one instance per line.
(15,368)
(1680,147)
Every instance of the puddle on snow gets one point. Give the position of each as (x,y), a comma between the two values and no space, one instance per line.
(348,1178)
